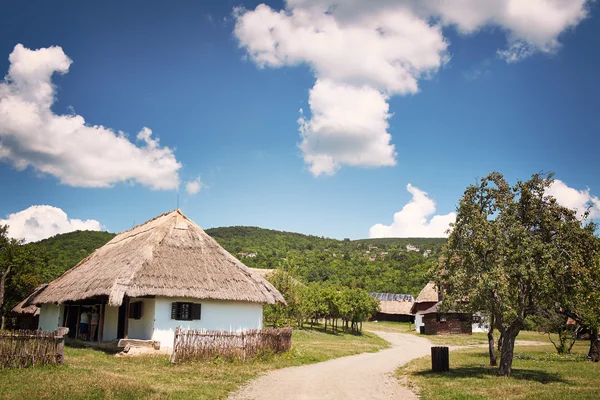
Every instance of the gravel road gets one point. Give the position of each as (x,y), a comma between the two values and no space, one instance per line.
(362,376)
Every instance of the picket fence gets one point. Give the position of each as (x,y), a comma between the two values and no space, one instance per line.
(206,345)
(25,348)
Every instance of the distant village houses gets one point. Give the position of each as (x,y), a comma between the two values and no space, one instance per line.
(410,247)
(250,255)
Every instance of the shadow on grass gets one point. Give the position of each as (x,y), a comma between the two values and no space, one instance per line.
(76,344)
(482,372)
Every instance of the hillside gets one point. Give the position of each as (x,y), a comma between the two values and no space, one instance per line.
(387,268)
(65,250)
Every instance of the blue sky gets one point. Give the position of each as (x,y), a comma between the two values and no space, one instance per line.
(495,91)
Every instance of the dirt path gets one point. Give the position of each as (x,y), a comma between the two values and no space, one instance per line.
(362,376)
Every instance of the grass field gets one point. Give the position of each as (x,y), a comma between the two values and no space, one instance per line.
(538,373)
(93,374)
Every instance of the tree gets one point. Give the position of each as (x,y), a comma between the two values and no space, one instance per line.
(8,250)
(506,251)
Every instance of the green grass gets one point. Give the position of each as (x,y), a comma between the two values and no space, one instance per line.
(477,338)
(538,373)
(93,374)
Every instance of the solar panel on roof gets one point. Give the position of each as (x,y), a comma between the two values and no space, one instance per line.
(392,296)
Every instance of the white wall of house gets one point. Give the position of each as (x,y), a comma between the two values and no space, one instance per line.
(215,315)
(482,325)
(142,328)
(111,322)
(51,316)
(418,321)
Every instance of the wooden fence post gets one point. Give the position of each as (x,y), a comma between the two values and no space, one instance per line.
(59,336)
(175,341)
(440,359)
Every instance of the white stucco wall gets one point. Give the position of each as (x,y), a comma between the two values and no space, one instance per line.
(418,321)
(216,315)
(51,316)
(111,320)
(482,326)
(142,328)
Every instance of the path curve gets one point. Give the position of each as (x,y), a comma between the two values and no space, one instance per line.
(361,376)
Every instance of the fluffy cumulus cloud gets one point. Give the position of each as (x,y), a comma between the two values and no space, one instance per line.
(364,52)
(78,154)
(416,219)
(194,186)
(40,222)
(580,200)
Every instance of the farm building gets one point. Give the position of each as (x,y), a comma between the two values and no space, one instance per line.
(27,314)
(431,322)
(394,307)
(147,281)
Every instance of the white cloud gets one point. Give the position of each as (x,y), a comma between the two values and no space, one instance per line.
(575,199)
(194,186)
(412,220)
(78,154)
(40,222)
(348,126)
(375,49)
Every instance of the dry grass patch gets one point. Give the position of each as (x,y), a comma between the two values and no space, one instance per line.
(93,374)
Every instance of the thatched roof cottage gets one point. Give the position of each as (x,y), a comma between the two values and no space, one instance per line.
(394,307)
(148,280)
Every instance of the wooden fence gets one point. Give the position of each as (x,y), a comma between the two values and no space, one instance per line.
(206,345)
(24,348)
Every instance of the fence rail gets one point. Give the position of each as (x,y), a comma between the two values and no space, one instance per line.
(25,348)
(202,345)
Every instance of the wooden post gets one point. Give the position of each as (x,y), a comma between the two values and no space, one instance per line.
(66,321)
(126,322)
(78,321)
(101,323)
(174,349)
(440,359)
(60,344)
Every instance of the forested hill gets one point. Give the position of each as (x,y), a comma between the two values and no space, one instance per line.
(65,250)
(380,265)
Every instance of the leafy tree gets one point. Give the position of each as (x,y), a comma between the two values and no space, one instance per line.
(507,251)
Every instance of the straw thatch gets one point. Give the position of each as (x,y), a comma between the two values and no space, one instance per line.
(167,256)
(27,306)
(396,307)
(428,294)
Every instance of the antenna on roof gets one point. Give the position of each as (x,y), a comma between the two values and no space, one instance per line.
(178,199)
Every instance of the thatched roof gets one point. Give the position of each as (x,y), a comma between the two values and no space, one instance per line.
(27,307)
(396,307)
(167,256)
(428,294)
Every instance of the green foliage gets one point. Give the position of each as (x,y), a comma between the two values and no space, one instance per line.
(354,264)
(514,251)
(319,301)
(44,261)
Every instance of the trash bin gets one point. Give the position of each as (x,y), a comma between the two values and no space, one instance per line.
(422,330)
(440,359)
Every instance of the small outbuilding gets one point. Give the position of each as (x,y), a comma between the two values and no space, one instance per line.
(151,279)
(394,307)
(26,314)
(430,321)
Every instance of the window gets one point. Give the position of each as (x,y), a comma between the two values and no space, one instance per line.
(135,310)
(185,311)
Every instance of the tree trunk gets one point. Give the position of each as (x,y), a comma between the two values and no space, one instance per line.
(2,283)
(507,352)
(594,353)
(492,348)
